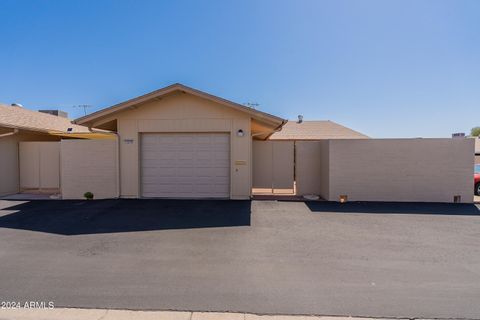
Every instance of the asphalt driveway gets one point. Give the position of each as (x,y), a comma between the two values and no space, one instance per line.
(362,259)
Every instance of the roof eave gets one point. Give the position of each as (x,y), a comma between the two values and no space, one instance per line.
(263,116)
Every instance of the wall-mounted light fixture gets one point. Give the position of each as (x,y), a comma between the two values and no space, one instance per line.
(240,133)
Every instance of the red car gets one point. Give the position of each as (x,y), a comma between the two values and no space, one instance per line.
(476,179)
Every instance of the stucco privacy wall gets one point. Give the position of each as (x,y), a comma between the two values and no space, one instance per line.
(88,165)
(426,170)
(9,168)
(312,167)
(183,113)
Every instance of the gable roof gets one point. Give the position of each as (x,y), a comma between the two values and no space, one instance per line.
(316,130)
(21,118)
(256,114)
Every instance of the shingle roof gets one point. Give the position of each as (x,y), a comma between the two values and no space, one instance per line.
(315,130)
(21,118)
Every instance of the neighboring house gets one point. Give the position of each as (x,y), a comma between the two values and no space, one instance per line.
(179,142)
(37,122)
(19,128)
(315,130)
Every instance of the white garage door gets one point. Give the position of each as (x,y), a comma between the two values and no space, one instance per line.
(185,165)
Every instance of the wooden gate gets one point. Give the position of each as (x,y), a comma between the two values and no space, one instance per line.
(39,165)
(273,167)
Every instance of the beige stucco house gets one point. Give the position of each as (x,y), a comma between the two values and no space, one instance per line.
(179,127)
(179,142)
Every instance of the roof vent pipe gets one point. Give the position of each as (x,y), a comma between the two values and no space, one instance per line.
(300,118)
(16,105)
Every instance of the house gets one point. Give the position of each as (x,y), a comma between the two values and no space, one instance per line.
(179,142)
(19,128)
(183,143)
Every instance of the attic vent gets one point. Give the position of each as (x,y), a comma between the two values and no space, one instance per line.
(300,118)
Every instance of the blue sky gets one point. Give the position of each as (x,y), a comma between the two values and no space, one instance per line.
(386,68)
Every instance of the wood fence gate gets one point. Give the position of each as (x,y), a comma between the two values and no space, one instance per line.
(273,167)
(39,164)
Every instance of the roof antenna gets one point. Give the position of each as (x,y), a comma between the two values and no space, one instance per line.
(84,106)
(252,105)
(300,118)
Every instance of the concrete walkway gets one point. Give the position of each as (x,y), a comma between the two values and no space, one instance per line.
(102,314)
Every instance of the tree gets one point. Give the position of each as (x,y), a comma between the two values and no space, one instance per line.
(475,132)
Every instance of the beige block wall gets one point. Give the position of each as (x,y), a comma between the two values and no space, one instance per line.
(89,165)
(477,150)
(9,164)
(312,167)
(425,170)
(183,113)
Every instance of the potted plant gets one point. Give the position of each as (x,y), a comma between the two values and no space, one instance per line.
(88,195)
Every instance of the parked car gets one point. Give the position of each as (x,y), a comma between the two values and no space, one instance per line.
(476,179)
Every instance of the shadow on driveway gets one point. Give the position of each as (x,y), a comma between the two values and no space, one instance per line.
(462,209)
(122,215)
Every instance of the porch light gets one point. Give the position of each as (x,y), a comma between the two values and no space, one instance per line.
(240,133)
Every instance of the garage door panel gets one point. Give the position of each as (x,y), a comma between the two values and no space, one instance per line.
(185,155)
(149,139)
(224,163)
(218,155)
(184,188)
(223,139)
(185,165)
(221,181)
(185,172)
(205,172)
(218,188)
(155,173)
(203,182)
(153,163)
(153,190)
(183,139)
(207,154)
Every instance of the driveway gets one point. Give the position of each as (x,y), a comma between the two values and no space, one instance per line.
(362,259)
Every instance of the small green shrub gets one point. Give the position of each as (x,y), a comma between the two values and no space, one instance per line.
(88,195)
